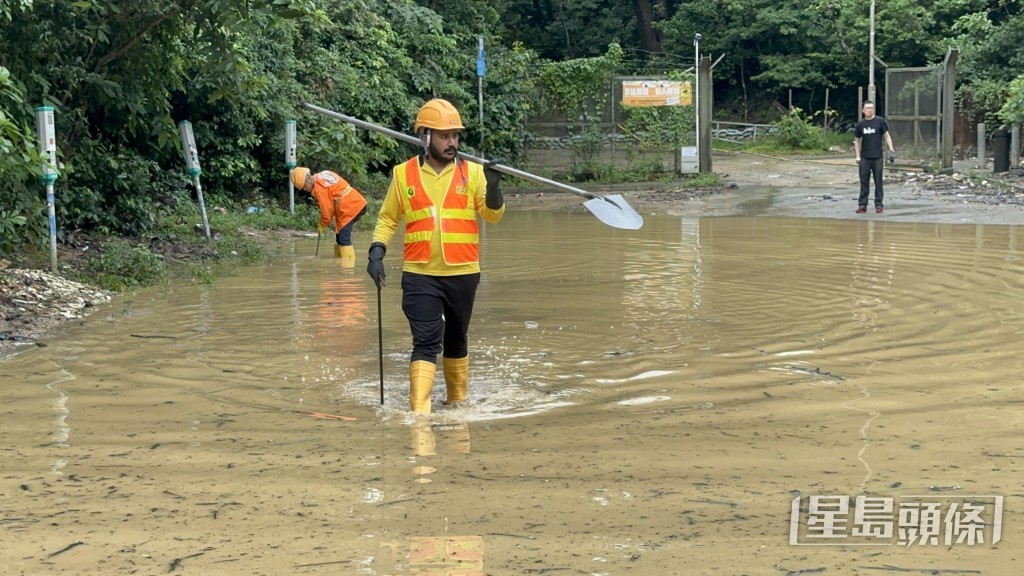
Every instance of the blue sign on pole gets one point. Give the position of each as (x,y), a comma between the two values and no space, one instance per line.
(481,62)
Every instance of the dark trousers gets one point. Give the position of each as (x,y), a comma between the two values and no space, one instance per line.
(438,309)
(345,234)
(870,167)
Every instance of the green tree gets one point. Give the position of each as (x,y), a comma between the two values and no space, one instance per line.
(990,58)
(1012,111)
(111,69)
(569,30)
(570,87)
(19,169)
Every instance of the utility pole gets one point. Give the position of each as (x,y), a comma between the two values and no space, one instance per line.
(696,93)
(871,58)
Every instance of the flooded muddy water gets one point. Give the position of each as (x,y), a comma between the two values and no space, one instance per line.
(702,396)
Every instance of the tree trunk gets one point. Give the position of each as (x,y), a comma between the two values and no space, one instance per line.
(650,39)
(743,83)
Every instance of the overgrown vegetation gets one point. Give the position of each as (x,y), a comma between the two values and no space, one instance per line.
(178,248)
(569,87)
(795,132)
(122,265)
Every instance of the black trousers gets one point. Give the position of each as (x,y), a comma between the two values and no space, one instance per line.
(870,167)
(344,236)
(438,309)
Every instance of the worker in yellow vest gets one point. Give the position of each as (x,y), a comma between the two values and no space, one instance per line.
(339,203)
(438,195)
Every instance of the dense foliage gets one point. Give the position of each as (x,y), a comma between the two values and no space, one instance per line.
(122,75)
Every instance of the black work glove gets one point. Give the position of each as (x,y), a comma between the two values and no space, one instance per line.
(494,199)
(892,157)
(375,268)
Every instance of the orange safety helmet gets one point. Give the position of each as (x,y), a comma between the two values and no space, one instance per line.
(299,174)
(438,114)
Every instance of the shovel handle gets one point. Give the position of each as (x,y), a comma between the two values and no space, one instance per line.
(416,141)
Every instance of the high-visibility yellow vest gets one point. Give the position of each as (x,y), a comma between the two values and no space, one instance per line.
(460,235)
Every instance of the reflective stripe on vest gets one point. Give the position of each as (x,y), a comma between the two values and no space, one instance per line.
(460,235)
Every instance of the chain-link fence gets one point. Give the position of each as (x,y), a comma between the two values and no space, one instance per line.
(912,108)
(612,133)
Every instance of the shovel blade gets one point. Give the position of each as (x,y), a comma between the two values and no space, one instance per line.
(615,211)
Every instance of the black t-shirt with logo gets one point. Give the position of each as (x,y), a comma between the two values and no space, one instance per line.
(870,134)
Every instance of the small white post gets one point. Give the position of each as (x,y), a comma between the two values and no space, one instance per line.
(48,151)
(188,143)
(289,160)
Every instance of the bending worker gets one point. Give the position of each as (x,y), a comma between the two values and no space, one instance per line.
(438,195)
(339,202)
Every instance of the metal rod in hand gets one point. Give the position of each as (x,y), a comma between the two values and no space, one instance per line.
(318,235)
(380,345)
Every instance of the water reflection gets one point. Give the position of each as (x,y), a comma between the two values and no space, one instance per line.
(569,310)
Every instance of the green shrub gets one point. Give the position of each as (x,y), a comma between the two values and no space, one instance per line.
(10,224)
(795,131)
(116,190)
(121,266)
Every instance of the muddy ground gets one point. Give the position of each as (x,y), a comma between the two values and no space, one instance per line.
(815,187)
(34,303)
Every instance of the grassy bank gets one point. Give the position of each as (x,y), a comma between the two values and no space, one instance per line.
(177,248)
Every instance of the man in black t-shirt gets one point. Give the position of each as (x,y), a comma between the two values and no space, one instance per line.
(867,144)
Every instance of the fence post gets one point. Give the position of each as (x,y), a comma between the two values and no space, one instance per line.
(1015,146)
(948,105)
(614,81)
(824,120)
(981,145)
(706,98)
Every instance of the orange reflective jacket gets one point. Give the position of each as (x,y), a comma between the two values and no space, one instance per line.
(460,235)
(338,200)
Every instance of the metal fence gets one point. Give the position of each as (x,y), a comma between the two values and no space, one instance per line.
(739,131)
(605,111)
(912,107)
(601,136)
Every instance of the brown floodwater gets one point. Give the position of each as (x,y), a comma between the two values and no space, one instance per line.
(696,397)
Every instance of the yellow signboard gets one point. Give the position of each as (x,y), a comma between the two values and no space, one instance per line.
(656,93)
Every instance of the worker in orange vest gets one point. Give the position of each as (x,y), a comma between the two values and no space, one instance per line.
(439,196)
(339,202)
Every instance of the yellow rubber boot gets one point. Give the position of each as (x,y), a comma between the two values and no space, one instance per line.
(456,379)
(421,380)
(347,255)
